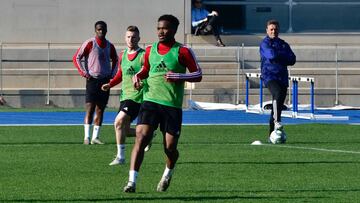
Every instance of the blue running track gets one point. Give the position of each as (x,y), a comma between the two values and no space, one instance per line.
(190,117)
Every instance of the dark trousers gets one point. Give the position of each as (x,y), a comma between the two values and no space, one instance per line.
(278,92)
(211,26)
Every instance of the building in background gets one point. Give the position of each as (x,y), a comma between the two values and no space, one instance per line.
(67,21)
(295,16)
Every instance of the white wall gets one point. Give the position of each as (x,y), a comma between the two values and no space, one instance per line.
(72,21)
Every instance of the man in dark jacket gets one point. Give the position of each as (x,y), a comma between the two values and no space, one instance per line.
(275,55)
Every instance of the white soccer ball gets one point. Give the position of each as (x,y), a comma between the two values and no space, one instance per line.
(277,137)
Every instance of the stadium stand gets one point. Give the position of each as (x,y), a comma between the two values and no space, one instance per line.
(37,74)
(27,81)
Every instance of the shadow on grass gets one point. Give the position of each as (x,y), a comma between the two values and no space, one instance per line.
(182,143)
(291,142)
(166,199)
(41,143)
(280,191)
(268,163)
(327,142)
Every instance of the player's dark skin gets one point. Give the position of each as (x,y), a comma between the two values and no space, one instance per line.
(166,33)
(100,32)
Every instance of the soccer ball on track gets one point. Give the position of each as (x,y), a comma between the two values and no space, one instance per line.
(277,137)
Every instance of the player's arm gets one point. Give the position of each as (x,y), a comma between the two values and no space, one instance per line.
(267,51)
(186,58)
(286,55)
(116,80)
(195,22)
(114,59)
(144,71)
(82,52)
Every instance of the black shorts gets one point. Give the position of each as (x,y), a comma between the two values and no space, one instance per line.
(169,118)
(130,107)
(94,94)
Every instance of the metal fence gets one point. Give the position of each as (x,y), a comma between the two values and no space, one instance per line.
(48,66)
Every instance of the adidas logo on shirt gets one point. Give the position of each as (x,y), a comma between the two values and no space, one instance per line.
(130,71)
(161,67)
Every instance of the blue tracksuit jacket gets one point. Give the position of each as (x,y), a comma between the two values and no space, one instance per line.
(276,55)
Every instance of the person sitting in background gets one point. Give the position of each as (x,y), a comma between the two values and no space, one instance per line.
(204,23)
(2,100)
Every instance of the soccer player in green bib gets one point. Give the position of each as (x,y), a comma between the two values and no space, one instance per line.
(131,61)
(165,65)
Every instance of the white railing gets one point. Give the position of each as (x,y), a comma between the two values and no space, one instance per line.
(12,57)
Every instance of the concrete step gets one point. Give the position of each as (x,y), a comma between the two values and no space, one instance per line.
(216,65)
(76,97)
(219,71)
(216,85)
(323,97)
(203,65)
(344,39)
(325,71)
(219,78)
(212,91)
(347,50)
(42,82)
(316,71)
(324,81)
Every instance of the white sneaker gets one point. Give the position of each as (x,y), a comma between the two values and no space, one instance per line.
(130,187)
(147,148)
(277,126)
(96,141)
(163,184)
(117,161)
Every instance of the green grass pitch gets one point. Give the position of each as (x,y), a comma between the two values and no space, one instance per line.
(319,163)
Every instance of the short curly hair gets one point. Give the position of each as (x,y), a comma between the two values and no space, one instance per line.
(174,22)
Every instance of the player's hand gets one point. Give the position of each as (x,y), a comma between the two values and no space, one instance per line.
(137,82)
(214,13)
(87,76)
(171,77)
(105,87)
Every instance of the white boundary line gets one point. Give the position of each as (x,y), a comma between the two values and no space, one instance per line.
(38,125)
(184,124)
(311,148)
